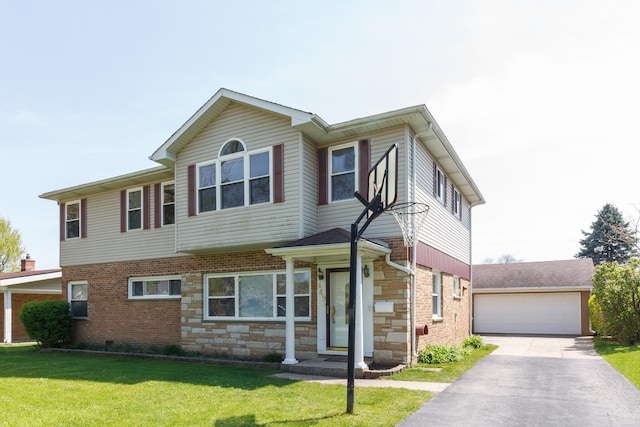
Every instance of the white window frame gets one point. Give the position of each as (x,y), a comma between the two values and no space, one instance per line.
(71,299)
(436,294)
(440,184)
(67,221)
(153,279)
(132,190)
(457,202)
(456,287)
(236,275)
(163,202)
(330,173)
(246,178)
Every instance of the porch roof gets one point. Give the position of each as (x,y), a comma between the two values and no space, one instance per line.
(331,245)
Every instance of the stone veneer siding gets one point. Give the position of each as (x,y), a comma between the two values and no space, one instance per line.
(113,317)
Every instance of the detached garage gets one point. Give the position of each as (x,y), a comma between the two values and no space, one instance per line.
(548,297)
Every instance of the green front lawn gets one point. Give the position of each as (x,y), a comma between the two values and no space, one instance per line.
(624,358)
(449,372)
(70,389)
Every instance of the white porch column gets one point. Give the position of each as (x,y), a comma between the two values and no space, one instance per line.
(290,326)
(359,350)
(7,316)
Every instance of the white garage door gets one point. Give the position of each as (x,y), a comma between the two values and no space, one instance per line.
(544,313)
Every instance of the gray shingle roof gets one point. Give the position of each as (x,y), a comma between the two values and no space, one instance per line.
(572,273)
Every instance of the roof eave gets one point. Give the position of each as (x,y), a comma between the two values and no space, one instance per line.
(158,173)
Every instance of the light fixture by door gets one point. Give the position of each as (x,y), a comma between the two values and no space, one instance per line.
(365,270)
(320,274)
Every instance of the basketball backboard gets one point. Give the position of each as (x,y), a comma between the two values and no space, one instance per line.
(383,179)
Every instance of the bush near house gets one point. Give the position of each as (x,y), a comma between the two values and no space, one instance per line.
(615,304)
(48,322)
(433,354)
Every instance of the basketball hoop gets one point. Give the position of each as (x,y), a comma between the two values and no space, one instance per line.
(410,217)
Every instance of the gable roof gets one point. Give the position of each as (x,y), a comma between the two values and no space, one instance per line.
(550,275)
(417,117)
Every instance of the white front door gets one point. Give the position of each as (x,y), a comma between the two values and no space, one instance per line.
(337,308)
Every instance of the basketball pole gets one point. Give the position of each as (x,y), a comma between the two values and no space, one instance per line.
(375,206)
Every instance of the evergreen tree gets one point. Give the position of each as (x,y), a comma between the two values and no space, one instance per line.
(610,240)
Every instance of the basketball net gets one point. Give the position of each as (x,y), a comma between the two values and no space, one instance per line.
(410,217)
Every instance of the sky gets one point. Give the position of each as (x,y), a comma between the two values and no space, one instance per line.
(539,98)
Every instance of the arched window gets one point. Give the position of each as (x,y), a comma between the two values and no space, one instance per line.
(237,178)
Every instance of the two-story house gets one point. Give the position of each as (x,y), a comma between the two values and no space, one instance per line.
(238,244)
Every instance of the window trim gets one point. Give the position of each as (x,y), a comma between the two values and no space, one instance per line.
(436,314)
(127,210)
(163,203)
(330,174)
(70,298)
(152,278)
(457,288)
(440,181)
(275,295)
(246,178)
(456,204)
(66,221)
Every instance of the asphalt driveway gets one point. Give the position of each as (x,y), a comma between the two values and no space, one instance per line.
(535,381)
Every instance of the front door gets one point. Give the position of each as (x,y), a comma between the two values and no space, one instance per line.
(338,308)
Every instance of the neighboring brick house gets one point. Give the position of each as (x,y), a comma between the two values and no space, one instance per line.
(21,287)
(246,214)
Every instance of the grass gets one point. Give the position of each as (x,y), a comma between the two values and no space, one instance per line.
(449,371)
(624,358)
(70,389)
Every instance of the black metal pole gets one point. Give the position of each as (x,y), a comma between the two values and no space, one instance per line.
(351,371)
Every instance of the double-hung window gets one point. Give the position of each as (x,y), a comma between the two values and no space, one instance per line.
(440,185)
(72,219)
(168,203)
(456,287)
(456,207)
(342,172)
(253,295)
(78,295)
(134,209)
(437,294)
(237,178)
(161,287)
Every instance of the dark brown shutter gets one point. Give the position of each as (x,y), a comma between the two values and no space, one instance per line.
(191,189)
(123,211)
(364,164)
(63,222)
(157,205)
(146,205)
(322,176)
(453,199)
(83,218)
(278,173)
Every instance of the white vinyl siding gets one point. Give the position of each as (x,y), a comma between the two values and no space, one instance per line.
(308,170)
(105,242)
(256,225)
(343,214)
(442,229)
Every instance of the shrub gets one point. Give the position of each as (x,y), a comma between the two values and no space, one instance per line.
(173,350)
(473,341)
(273,357)
(615,308)
(48,322)
(441,354)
